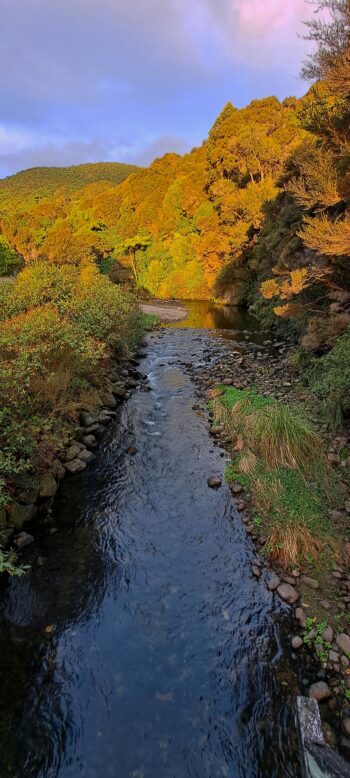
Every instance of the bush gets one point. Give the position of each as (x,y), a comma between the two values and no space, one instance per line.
(59,326)
(330,380)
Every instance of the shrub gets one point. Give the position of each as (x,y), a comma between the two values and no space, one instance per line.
(330,380)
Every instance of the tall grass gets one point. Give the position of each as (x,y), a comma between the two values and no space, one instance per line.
(279,458)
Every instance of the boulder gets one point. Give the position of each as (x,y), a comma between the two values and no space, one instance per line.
(47,486)
(87,419)
(310,582)
(273,583)
(343,642)
(297,642)
(72,452)
(75,466)
(328,635)
(86,456)
(23,539)
(214,482)
(320,691)
(288,593)
(89,441)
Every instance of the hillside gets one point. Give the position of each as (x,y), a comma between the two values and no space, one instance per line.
(42,182)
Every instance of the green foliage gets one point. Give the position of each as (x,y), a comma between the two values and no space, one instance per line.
(9,565)
(62,324)
(280,461)
(10,262)
(330,380)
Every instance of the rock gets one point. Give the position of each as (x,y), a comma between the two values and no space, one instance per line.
(236,488)
(256,571)
(346,725)
(325,604)
(20,514)
(337,574)
(343,642)
(329,734)
(110,401)
(58,470)
(227,382)
(75,466)
(333,458)
(333,656)
(86,419)
(132,450)
(241,505)
(119,391)
(288,579)
(320,691)
(347,506)
(287,593)
(328,635)
(268,343)
(297,642)
(47,486)
(86,456)
(273,583)
(72,452)
(310,582)
(214,482)
(90,441)
(23,539)
(335,515)
(344,661)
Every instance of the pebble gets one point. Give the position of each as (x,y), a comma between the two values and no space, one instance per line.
(241,505)
(320,691)
(287,593)
(346,725)
(256,571)
(236,488)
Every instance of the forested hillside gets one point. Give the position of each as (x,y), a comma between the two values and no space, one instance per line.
(259,215)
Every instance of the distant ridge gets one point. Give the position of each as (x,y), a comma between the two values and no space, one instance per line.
(46,180)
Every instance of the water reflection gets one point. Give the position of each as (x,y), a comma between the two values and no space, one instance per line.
(144,646)
(206,314)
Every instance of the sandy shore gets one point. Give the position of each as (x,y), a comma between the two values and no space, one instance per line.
(166,311)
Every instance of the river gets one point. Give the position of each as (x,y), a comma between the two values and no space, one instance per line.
(140,645)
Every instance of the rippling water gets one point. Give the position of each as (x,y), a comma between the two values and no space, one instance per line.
(143,647)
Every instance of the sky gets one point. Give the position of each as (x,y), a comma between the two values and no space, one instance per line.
(129,80)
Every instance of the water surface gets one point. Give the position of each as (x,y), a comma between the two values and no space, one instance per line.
(141,645)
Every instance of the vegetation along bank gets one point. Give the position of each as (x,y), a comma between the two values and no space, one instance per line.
(259,216)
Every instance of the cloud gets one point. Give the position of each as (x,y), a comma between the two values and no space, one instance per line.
(81,75)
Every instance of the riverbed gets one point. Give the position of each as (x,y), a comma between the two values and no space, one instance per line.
(140,644)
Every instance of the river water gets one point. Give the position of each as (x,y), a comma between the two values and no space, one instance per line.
(140,645)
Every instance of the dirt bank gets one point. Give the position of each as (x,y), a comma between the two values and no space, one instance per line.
(166,311)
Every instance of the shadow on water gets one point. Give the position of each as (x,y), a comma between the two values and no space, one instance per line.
(142,645)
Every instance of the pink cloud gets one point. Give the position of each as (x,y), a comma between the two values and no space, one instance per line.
(259,16)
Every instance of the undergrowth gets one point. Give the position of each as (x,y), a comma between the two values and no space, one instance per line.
(279,459)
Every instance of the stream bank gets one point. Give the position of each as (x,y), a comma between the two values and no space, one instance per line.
(141,637)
